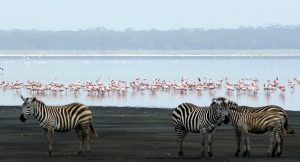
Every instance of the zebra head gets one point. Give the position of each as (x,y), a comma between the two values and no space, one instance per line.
(221,104)
(27,108)
(230,105)
(221,108)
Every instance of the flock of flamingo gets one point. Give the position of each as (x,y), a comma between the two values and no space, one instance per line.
(121,87)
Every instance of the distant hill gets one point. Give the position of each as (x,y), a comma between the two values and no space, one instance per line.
(272,37)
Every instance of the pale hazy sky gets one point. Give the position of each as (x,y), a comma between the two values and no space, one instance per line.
(145,14)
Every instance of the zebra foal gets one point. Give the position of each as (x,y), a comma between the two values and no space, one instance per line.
(269,108)
(258,123)
(61,119)
(262,109)
(188,117)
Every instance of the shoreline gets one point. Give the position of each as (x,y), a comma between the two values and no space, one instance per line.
(131,111)
(117,107)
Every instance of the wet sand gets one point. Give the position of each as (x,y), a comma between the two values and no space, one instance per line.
(130,134)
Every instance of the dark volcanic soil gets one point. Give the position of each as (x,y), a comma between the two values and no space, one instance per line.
(130,134)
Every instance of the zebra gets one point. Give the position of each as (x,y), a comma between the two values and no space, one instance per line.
(268,108)
(258,123)
(188,117)
(61,119)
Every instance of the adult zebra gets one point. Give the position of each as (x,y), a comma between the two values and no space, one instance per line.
(61,119)
(188,117)
(261,122)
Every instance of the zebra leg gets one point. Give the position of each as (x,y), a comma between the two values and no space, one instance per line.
(238,141)
(209,147)
(86,133)
(181,133)
(88,139)
(179,142)
(246,144)
(202,136)
(279,140)
(80,136)
(50,133)
(272,134)
(281,143)
(274,149)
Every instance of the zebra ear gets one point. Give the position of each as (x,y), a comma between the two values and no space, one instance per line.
(22,98)
(225,100)
(214,100)
(33,99)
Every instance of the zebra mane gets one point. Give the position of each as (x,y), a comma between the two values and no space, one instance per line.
(39,102)
(220,99)
(214,103)
(233,105)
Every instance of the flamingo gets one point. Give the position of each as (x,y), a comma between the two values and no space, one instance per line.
(282,89)
(229,88)
(246,85)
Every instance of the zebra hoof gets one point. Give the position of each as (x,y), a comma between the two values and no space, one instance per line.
(278,154)
(237,153)
(79,152)
(180,155)
(245,154)
(210,155)
(50,153)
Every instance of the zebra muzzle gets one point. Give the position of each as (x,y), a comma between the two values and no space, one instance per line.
(22,118)
(226,120)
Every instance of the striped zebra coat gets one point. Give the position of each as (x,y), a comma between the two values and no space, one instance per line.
(188,117)
(263,109)
(268,108)
(61,119)
(259,122)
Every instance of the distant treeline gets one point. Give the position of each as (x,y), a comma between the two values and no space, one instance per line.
(272,37)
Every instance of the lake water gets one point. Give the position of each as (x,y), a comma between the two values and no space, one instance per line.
(65,70)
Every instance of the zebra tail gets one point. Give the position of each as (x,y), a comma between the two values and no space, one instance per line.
(93,130)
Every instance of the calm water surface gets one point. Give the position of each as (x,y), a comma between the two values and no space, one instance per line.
(70,69)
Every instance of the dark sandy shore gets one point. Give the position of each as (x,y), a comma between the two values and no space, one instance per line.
(130,134)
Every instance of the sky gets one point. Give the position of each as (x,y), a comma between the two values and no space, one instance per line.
(146,14)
